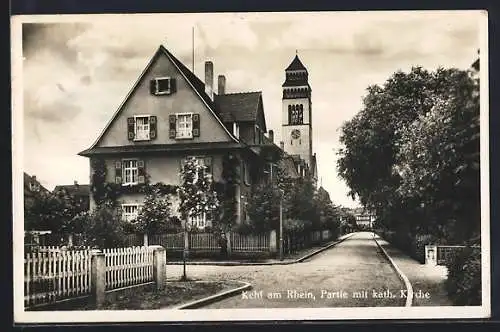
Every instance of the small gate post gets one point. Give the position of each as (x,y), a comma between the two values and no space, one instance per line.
(431,255)
(98,278)
(159,266)
(145,240)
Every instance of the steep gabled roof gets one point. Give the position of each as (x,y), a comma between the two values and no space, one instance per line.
(240,107)
(296,64)
(32,179)
(190,77)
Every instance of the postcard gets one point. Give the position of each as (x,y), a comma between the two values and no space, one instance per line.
(250,166)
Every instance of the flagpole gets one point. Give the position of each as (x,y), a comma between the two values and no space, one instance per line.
(193,47)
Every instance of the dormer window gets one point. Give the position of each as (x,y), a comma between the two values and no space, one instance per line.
(34,186)
(162,86)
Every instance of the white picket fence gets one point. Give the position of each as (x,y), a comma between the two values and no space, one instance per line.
(128,266)
(55,275)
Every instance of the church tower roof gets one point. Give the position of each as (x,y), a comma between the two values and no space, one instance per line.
(296,65)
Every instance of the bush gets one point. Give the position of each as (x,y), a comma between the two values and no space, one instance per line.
(102,228)
(464,277)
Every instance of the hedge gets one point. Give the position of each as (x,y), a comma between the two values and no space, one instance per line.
(464,277)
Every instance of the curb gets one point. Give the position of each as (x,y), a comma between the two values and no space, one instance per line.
(400,273)
(295,261)
(214,298)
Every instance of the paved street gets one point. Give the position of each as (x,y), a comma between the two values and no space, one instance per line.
(353,273)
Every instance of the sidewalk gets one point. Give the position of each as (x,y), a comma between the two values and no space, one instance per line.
(424,278)
(296,258)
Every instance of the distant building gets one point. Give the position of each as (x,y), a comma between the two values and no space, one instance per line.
(79,192)
(32,187)
(364,218)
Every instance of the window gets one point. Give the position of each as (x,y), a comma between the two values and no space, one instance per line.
(130,172)
(203,161)
(162,86)
(184,128)
(141,128)
(34,186)
(295,114)
(130,212)
(200,221)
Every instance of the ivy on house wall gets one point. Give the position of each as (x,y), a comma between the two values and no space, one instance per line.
(226,190)
(106,192)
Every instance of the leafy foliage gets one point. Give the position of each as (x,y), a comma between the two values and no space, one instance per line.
(52,211)
(103,227)
(304,207)
(196,192)
(155,215)
(411,153)
(464,277)
(226,214)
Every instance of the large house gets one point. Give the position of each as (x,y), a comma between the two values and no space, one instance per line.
(170,115)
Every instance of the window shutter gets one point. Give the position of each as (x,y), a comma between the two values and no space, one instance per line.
(152,87)
(196,125)
(152,127)
(118,172)
(141,174)
(130,128)
(171,120)
(173,85)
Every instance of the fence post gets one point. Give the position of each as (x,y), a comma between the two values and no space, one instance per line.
(273,248)
(431,255)
(145,240)
(98,278)
(229,243)
(70,240)
(159,266)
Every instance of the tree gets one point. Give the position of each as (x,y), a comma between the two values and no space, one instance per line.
(386,138)
(155,215)
(263,208)
(197,196)
(52,211)
(328,214)
(438,162)
(103,227)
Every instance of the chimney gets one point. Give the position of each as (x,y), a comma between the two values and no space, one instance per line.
(221,89)
(282,145)
(209,79)
(34,177)
(75,183)
(271,136)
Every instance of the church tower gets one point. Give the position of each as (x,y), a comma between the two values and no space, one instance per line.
(296,113)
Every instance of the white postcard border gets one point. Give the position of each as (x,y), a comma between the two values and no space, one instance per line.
(268,314)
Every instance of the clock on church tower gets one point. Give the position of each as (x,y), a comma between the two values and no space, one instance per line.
(296,112)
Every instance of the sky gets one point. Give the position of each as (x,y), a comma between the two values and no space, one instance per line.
(77,70)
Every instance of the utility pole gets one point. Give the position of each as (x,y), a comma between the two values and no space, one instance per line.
(281,224)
